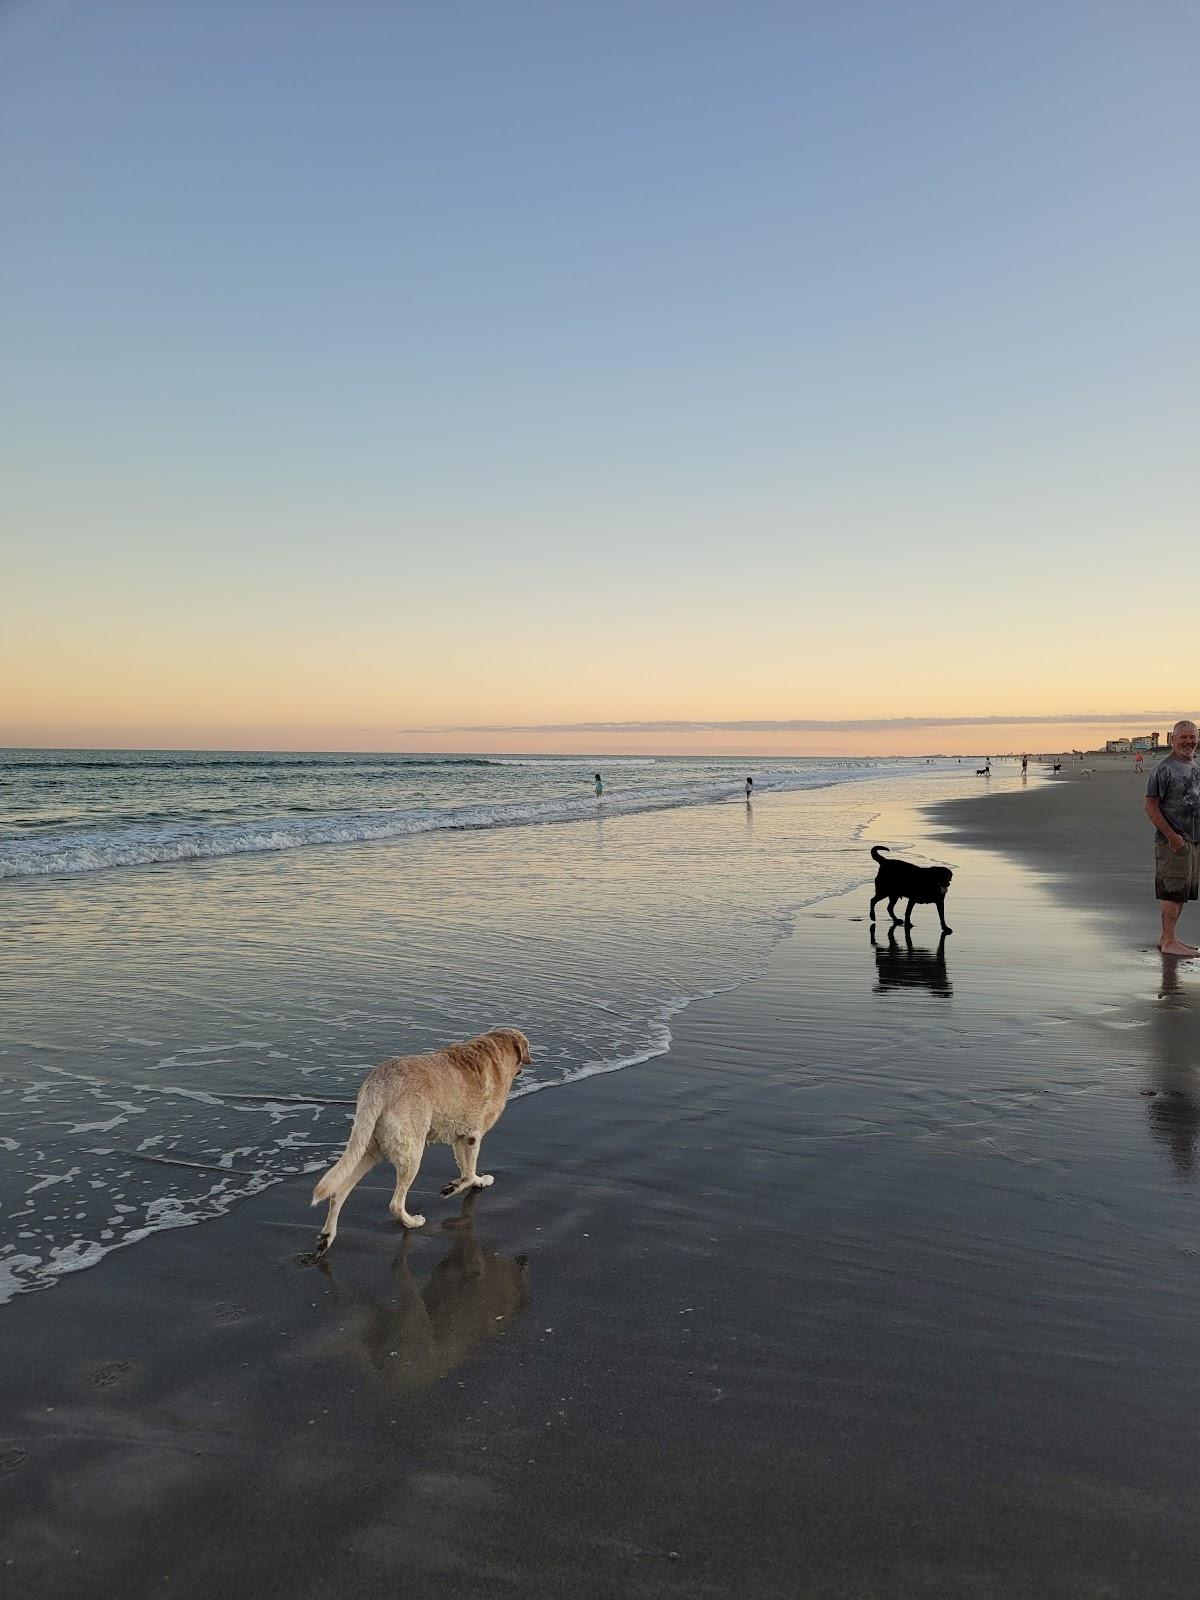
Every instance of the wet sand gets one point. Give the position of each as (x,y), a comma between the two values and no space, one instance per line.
(1095,844)
(884,1282)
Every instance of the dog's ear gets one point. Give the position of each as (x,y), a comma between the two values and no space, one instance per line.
(519,1043)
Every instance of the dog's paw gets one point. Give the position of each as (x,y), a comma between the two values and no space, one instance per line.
(322,1244)
(484,1180)
(415,1221)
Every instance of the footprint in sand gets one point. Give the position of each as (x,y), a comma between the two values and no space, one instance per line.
(111,1373)
(10,1460)
(228,1311)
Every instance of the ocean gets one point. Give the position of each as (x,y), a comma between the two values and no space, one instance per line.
(205,952)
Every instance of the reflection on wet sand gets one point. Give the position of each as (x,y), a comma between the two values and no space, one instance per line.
(910,966)
(414,1336)
(1172,1085)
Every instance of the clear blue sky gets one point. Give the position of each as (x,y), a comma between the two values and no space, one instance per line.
(655,334)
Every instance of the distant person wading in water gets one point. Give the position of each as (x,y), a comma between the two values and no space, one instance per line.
(599,786)
(1173,806)
(749,787)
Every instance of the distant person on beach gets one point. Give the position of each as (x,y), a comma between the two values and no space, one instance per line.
(1173,806)
(599,786)
(1137,761)
(749,787)
(1024,765)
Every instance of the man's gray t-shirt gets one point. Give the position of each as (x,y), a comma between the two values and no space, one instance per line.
(1176,786)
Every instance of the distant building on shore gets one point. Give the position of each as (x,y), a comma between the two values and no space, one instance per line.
(1122,747)
(1117,747)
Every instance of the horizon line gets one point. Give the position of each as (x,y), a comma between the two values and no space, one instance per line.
(798,724)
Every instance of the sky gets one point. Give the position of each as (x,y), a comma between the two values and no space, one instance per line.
(465,376)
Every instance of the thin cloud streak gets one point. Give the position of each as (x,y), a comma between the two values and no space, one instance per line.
(805,724)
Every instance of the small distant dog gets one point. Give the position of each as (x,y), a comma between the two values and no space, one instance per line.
(920,886)
(451,1096)
(983,772)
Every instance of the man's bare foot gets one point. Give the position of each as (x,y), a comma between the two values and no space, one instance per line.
(1176,948)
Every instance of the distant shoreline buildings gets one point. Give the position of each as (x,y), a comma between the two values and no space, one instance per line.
(1123,747)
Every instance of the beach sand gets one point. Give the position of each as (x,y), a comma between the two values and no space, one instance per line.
(1095,846)
(883,1282)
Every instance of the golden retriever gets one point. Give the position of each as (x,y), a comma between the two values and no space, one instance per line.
(451,1096)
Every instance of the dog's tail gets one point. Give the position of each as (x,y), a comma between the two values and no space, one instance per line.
(875,856)
(361,1134)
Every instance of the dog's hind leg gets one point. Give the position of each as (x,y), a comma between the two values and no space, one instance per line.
(405,1155)
(402,1140)
(892,907)
(338,1199)
(466,1153)
(398,1205)
(875,899)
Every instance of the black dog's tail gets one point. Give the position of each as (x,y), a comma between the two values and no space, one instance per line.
(875,856)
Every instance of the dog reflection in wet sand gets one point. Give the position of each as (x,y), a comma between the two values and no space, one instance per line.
(908,966)
(417,1335)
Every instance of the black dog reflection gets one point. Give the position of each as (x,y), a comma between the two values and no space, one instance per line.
(417,1335)
(909,966)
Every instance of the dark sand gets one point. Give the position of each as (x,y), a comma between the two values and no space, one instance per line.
(884,1282)
(1095,846)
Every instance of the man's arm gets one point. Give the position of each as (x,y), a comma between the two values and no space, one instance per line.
(1154,812)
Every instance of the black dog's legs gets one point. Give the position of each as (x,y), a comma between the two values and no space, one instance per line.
(892,908)
(875,899)
(941,911)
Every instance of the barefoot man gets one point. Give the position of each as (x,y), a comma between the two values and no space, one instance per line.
(1173,806)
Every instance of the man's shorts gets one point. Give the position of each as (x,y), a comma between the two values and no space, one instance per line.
(1176,877)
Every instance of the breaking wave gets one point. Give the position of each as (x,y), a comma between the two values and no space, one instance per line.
(150,843)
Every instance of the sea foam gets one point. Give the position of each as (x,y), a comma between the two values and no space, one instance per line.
(147,843)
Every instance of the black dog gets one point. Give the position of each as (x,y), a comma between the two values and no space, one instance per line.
(920,886)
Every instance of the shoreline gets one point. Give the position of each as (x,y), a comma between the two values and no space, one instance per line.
(1094,842)
(879,1282)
